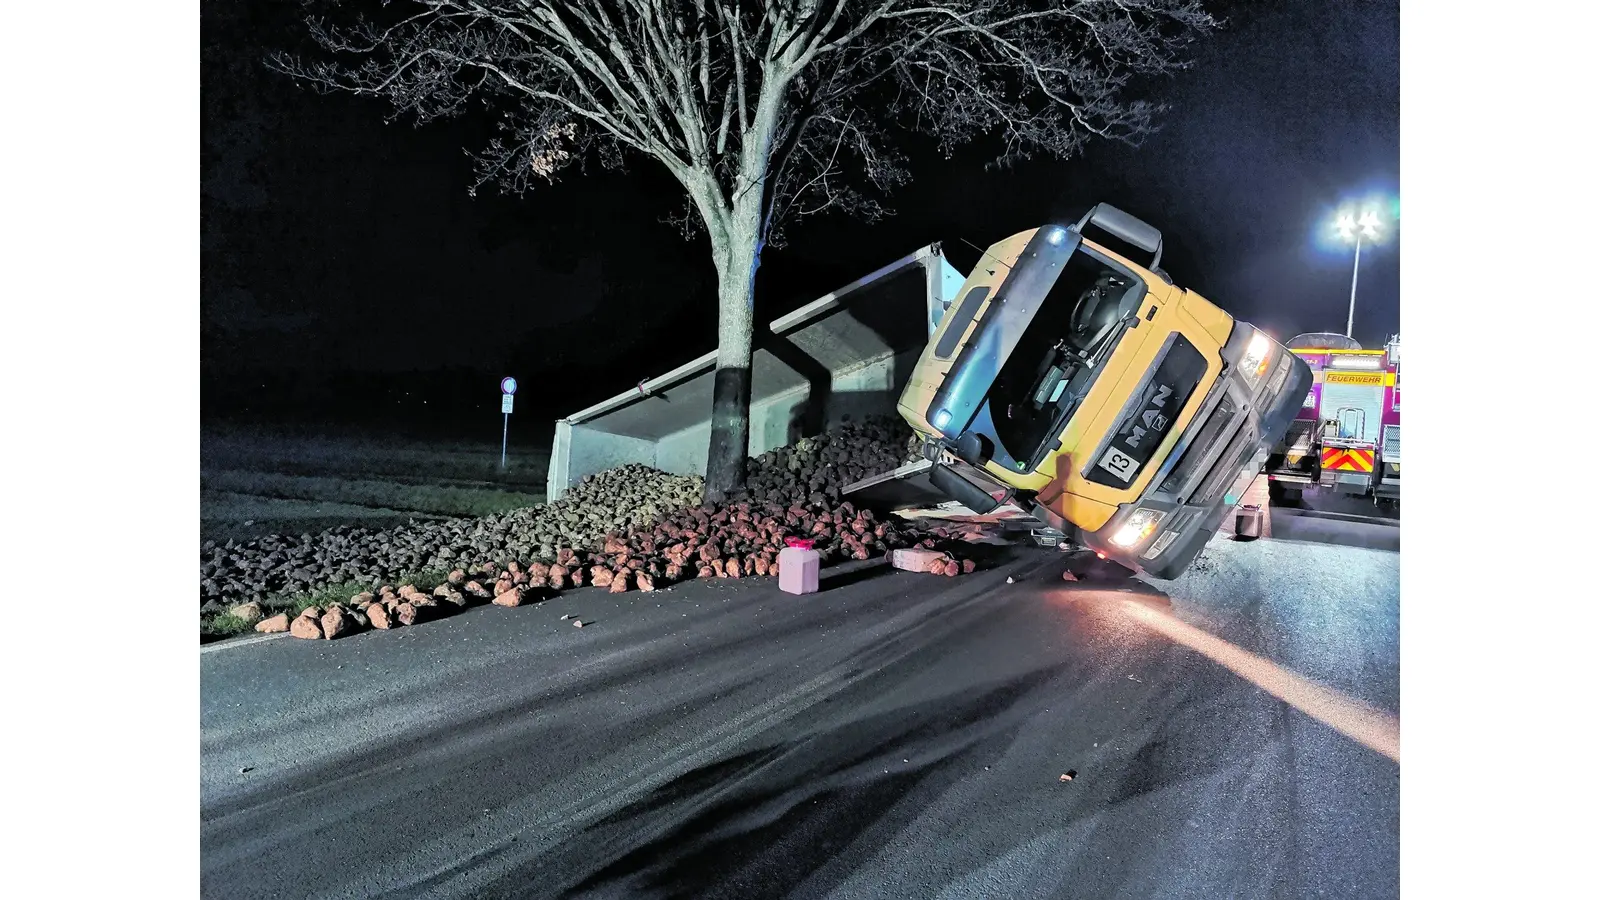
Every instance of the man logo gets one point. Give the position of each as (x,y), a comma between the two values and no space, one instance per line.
(1153,421)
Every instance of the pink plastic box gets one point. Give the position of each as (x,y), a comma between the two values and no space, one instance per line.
(798,567)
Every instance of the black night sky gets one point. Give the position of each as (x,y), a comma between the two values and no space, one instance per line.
(348,280)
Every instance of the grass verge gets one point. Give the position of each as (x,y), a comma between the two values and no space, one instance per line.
(440,500)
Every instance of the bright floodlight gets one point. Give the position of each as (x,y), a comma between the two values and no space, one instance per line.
(1346,224)
(1369,224)
(1364,229)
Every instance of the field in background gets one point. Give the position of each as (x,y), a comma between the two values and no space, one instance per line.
(257,483)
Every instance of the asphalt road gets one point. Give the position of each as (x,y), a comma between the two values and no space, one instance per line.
(1231,735)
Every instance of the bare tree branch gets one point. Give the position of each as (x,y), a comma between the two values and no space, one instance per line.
(765,111)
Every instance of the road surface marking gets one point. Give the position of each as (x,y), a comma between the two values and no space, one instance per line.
(241,642)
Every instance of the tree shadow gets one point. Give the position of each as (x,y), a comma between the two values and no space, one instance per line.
(776,815)
(811,416)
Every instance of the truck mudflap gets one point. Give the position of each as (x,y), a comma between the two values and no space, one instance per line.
(1162,532)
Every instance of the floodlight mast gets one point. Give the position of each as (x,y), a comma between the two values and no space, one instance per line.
(1359,230)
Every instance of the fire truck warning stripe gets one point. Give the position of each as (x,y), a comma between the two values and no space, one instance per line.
(1347,460)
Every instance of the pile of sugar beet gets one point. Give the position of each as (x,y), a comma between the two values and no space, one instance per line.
(630,528)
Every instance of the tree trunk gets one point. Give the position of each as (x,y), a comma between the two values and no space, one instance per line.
(737,246)
(737,261)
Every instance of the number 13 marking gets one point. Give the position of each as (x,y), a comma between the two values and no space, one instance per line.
(1119,464)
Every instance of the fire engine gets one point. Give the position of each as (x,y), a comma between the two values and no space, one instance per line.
(1346,439)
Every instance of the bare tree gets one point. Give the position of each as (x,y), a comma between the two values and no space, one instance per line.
(765,112)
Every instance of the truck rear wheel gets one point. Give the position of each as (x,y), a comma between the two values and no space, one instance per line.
(1280,493)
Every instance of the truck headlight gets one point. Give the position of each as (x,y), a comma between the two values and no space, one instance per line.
(1137,527)
(941,419)
(1256,356)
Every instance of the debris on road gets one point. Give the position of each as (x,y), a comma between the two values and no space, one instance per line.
(577,623)
(915,560)
(274,625)
(306,627)
(1069,775)
(511,596)
(799,566)
(335,622)
(631,528)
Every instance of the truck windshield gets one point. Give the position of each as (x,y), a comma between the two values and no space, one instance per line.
(1055,361)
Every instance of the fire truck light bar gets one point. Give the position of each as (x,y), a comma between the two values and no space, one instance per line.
(1351,361)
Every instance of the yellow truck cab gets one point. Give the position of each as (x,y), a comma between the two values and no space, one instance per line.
(1126,412)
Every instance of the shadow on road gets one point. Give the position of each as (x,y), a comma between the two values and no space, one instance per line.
(775,816)
(738,743)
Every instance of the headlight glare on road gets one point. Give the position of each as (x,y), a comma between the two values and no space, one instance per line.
(1254,362)
(1138,527)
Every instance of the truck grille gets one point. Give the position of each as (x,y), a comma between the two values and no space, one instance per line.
(1226,469)
(1299,435)
(1391,443)
(1184,473)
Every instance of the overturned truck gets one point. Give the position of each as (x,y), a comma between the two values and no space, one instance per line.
(1060,385)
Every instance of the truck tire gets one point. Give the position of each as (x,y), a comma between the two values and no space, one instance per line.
(1280,493)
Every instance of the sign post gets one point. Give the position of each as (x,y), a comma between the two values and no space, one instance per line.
(508,390)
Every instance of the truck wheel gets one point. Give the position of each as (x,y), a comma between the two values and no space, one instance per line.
(1279,493)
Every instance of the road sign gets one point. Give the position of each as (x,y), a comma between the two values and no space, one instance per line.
(508,393)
